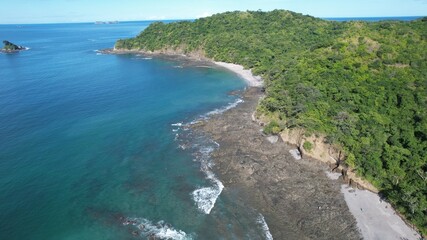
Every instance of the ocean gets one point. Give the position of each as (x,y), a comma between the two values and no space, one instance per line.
(96,146)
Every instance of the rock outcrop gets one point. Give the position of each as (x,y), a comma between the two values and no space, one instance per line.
(10,47)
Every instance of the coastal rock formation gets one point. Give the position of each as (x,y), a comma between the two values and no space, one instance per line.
(327,153)
(10,47)
(296,197)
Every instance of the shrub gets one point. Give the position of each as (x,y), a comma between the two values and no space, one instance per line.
(308,146)
(272,128)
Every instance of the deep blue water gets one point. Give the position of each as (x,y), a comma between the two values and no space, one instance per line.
(374,19)
(89,146)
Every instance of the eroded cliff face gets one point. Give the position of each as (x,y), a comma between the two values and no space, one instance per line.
(323,151)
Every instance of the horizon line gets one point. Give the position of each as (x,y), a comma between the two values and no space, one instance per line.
(189,19)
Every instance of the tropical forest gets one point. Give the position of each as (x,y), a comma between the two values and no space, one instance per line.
(361,84)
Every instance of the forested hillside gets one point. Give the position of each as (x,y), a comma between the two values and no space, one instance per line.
(363,84)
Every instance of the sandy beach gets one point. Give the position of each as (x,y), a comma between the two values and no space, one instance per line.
(376,218)
(192,58)
(253,81)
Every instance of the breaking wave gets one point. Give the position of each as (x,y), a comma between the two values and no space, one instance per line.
(159,230)
(204,197)
(261,221)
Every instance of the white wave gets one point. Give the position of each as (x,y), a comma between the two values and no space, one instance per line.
(178,66)
(264,226)
(206,197)
(147,58)
(226,108)
(177,124)
(160,230)
(27,48)
(98,52)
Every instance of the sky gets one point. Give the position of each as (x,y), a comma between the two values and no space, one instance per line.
(60,11)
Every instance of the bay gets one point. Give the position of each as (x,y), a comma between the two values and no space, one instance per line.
(89,146)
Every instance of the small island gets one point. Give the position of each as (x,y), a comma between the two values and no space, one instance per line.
(11,47)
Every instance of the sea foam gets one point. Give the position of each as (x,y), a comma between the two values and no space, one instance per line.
(261,221)
(160,230)
(206,197)
(224,109)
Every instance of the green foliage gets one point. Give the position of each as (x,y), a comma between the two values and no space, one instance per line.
(272,128)
(308,146)
(363,84)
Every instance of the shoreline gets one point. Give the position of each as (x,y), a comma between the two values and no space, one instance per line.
(242,172)
(239,70)
(246,74)
(272,180)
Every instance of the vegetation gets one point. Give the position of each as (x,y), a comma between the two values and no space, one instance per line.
(308,146)
(363,84)
(272,128)
(8,46)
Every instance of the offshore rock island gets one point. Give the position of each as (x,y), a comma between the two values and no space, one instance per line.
(357,87)
(11,48)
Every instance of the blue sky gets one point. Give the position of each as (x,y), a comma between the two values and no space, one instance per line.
(51,11)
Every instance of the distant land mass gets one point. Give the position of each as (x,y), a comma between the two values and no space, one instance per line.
(359,86)
(106,22)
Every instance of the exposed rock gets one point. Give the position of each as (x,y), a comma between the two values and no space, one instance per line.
(296,197)
(273,139)
(10,47)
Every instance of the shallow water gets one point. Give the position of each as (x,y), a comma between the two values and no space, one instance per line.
(89,146)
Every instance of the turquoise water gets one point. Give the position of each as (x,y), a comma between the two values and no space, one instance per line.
(89,146)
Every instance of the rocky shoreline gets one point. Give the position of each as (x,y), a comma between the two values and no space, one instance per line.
(296,197)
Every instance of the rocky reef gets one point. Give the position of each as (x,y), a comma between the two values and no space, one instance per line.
(11,47)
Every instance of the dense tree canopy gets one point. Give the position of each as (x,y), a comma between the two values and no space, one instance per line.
(363,84)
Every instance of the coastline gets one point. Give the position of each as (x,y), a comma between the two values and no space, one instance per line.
(245,74)
(296,197)
(253,81)
(300,198)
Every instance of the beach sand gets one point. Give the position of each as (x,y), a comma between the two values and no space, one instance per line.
(253,81)
(376,218)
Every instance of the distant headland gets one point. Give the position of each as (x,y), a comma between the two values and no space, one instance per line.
(107,22)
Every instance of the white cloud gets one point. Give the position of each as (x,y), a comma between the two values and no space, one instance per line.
(204,14)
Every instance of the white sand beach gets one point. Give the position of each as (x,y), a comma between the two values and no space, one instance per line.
(253,81)
(375,218)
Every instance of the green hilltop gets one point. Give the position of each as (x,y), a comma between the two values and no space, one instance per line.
(362,84)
